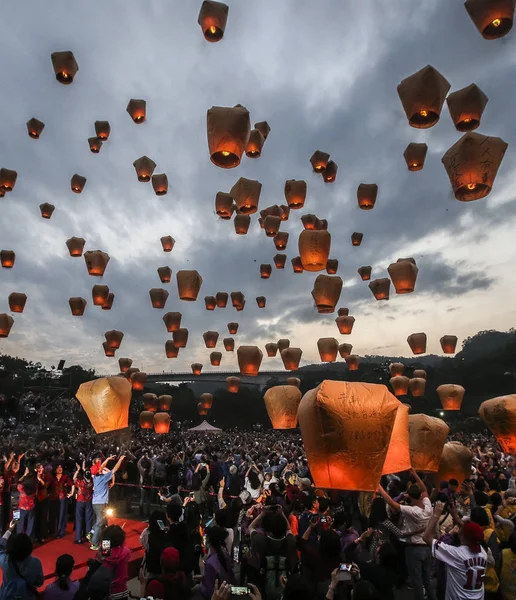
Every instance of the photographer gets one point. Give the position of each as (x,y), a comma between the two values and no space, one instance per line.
(114,555)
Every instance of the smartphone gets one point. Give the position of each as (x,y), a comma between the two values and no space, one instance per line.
(161,525)
(240,591)
(106,548)
(323,519)
(345,572)
(16,515)
(191,495)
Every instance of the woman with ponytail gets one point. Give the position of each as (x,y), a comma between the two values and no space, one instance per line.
(63,587)
(217,564)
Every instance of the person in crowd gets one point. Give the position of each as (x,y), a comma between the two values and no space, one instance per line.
(43,482)
(171,583)
(63,588)
(83,488)
(508,570)
(193,521)
(178,536)
(253,481)
(217,564)
(26,503)
(200,482)
(60,488)
(115,556)
(154,540)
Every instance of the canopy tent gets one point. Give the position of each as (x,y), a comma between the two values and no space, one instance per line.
(205,426)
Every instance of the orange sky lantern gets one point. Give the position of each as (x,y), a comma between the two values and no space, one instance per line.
(8,179)
(232,328)
(417,386)
(17,302)
(102,130)
(295,193)
(261,301)
(109,352)
(99,294)
(146,419)
(228,133)
(210,338)
(332,266)
(282,402)
(138,380)
(167,243)
(106,402)
(353,362)
(399,385)
(356,238)
(144,167)
(366,195)
(210,302)
(343,312)
(172,321)
(314,249)
(264,128)
(396,369)
(196,368)
(212,19)
(164,402)
(492,18)
(330,173)
(150,402)
(319,161)
(229,344)
(7,258)
(224,205)
(160,184)
(124,364)
(114,338)
(35,128)
(403,274)
(291,358)
(345,324)
(215,358)
(415,155)
(456,462)
(95,144)
(271,349)
(255,144)
(233,384)
(249,360)
(380,288)
(328,348)
(466,107)
(241,223)
(297,265)
(281,240)
(6,323)
(345,350)
(265,271)
(96,262)
(417,343)
(427,437)
(77,306)
(420,373)
(180,337)
(280,260)
(77,183)
(65,66)
(165,274)
(188,285)
(158,297)
(46,210)
(171,350)
(222,299)
(161,423)
(499,414)
(137,110)
(271,225)
(451,396)
(75,246)
(448,344)
(246,194)
(326,292)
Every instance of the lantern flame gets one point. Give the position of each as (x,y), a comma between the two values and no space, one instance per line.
(423,113)
(213,29)
(496,23)
(472,186)
(225,153)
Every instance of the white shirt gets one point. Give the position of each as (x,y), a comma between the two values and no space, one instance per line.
(464,571)
(415,518)
(255,494)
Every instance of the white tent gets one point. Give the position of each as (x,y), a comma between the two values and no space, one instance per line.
(205,426)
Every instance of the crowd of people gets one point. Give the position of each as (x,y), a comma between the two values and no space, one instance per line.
(238,513)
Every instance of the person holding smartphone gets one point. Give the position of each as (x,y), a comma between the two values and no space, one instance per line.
(114,554)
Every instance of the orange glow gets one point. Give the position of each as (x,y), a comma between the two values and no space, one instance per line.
(138,118)
(415,164)
(472,186)
(213,29)
(225,153)
(468,120)
(423,113)
(496,23)
(65,75)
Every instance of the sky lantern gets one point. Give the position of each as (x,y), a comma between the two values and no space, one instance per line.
(417,386)
(448,344)
(77,306)
(46,210)
(246,194)
(280,260)
(328,348)
(415,155)
(291,358)
(398,454)
(232,328)
(35,128)
(271,224)
(160,184)
(212,19)
(403,274)
(196,368)
(99,293)
(167,242)
(150,402)
(380,288)
(356,238)
(188,285)
(456,461)
(353,362)
(129,373)
(396,369)
(271,349)
(228,133)
(265,271)
(427,436)
(77,183)
(343,312)
(472,164)
(172,321)
(422,96)
(249,360)
(164,402)
(366,195)
(345,350)
(65,66)
(295,193)
(346,429)
(264,128)
(237,299)
(282,344)
(319,161)
(309,221)
(451,396)
(95,144)
(201,410)
(285,212)
(17,302)
(282,402)
(96,262)
(210,338)
(7,258)
(146,419)
(171,350)
(295,381)
(109,352)
(297,265)
(180,337)
(124,364)
(102,130)
(161,423)
(222,299)
(165,274)
(158,297)
(114,338)
(233,384)
(417,343)
(420,373)
(144,167)
(365,272)
(206,400)
(314,249)
(137,110)
(138,380)
(210,302)
(493,18)
(281,240)
(330,173)
(466,107)
(241,223)
(332,266)
(215,358)
(345,324)
(255,144)
(106,402)
(400,385)
(229,344)
(224,205)
(499,414)
(8,179)
(6,323)
(326,292)
(108,304)
(261,301)
(75,246)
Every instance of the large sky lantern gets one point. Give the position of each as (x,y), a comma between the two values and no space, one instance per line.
(380,288)
(399,385)
(330,173)
(95,144)
(165,402)
(146,419)
(332,266)
(96,262)
(365,272)
(210,302)
(35,128)
(232,328)
(415,155)
(46,210)
(353,362)
(345,350)
(159,297)
(279,260)
(65,66)
(108,304)
(75,246)
(366,195)
(167,243)
(398,454)
(233,384)
(102,130)
(295,193)
(451,396)
(326,292)
(314,249)
(309,221)
(492,18)
(77,183)
(466,107)
(448,344)
(196,368)
(77,306)
(129,372)
(417,343)
(180,337)
(343,312)
(472,164)
(212,19)
(422,96)
(188,285)
(297,265)
(281,240)
(265,271)
(346,429)
(109,352)
(237,299)
(106,402)
(228,133)
(137,109)
(396,369)
(403,274)
(328,348)
(215,359)
(417,386)
(161,423)
(7,259)
(206,400)
(420,373)
(246,194)
(285,212)
(229,344)
(319,161)
(6,323)
(99,294)
(210,338)
(202,412)
(138,380)
(271,224)
(282,344)
(8,179)
(272,349)
(255,144)
(261,301)
(499,414)
(345,324)
(291,358)
(160,184)
(150,402)
(17,302)
(242,223)
(456,461)
(282,402)
(356,238)
(171,350)
(144,167)
(172,321)
(427,437)
(295,381)
(224,205)
(165,274)
(124,364)
(222,299)
(114,338)
(249,360)
(264,128)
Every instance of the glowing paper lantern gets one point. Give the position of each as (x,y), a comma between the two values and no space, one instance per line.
(319,161)
(146,419)
(456,461)
(17,302)
(99,294)
(343,312)
(271,224)
(222,299)
(172,321)
(180,337)
(314,249)
(326,292)
(345,324)
(427,436)
(417,386)
(161,423)
(144,167)
(499,414)
(448,344)
(282,344)
(282,402)
(77,306)
(138,380)
(380,288)
(246,194)
(210,338)
(255,144)
(102,130)
(8,179)
(77,183)
(396,369)
(403,275)
(285,212)
(35,128)
(366,195)
(400,385)
(158,297)
(188,285)
(415,155)
(295,381)
(346,429)
(330,173)
(280,260)
(261,301)
(297,265)
(165,274)
(108,304)
(291,358)
(150,402)
(493,18)
(160,184)
(65,66)
(96,262)
(212,19)
(7,258)
(263,127)
(232,328)
(422,96)
(171,350)
(215,358)
(75,246)
(46,210)
(265,271)
(6,323)
(106,402)
(466,107)
(164,402)
(451,396)
(281,240)
(228,133)
(167,242)
(417,343)
(332,266)
(95,144)
(224,205)
(201,410)
(229,344)
(356,238)
(241,224)
(137,110)
(114,338)
(328,348)
(271,349)
(210,302)
(233,384)
(353,362)
(295,193)
(310,221)
(196,368)
(345,350)
(398,454)
(249,360)
(124,364)
(420,373)
(471,174)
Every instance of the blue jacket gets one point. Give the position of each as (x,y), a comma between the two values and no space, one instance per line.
(12,583)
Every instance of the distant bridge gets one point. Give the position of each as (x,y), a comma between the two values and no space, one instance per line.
(220,377)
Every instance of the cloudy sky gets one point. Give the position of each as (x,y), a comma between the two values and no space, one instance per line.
(324,76)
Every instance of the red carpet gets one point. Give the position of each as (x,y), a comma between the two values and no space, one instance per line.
(48,552)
